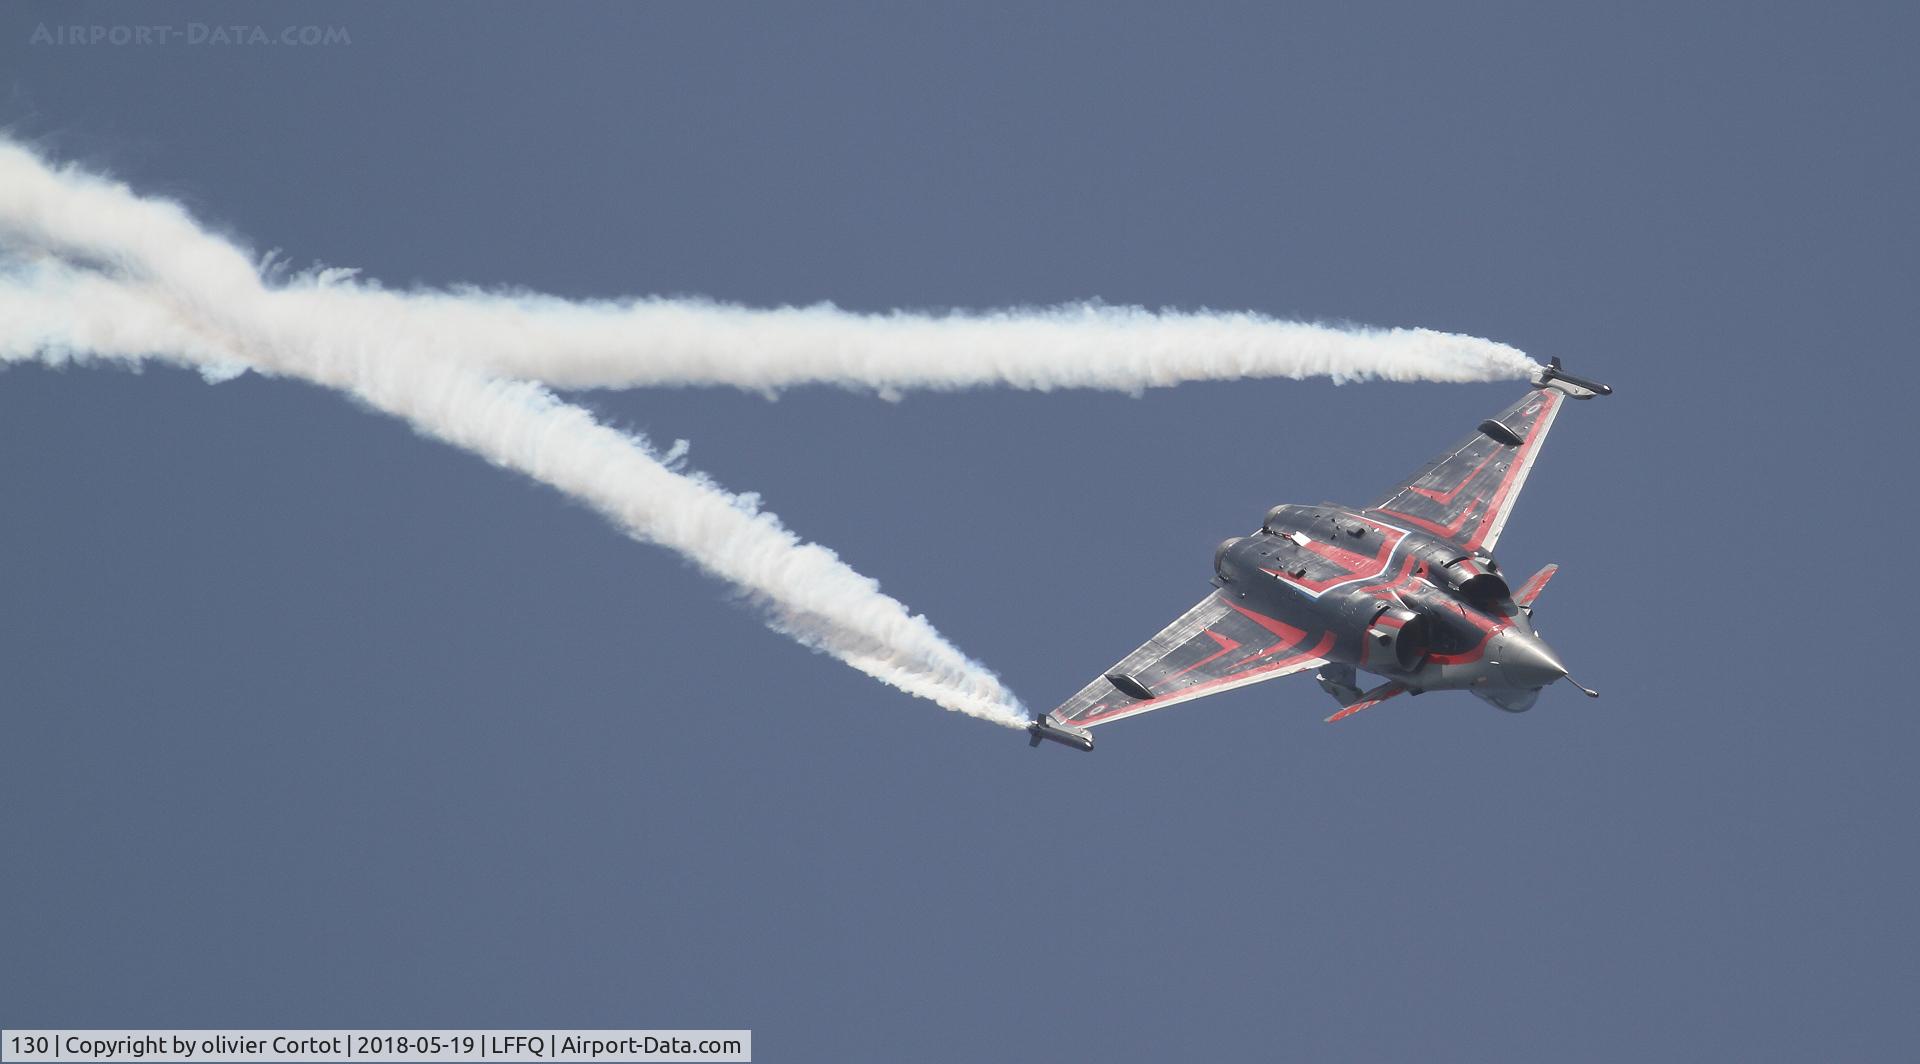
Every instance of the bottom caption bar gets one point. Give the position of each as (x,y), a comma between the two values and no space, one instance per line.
(250,1045)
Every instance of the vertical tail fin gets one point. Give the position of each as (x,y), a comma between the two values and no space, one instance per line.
(1534,585)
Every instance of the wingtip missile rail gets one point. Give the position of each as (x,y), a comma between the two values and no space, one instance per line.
(1577,387)
(1065,734)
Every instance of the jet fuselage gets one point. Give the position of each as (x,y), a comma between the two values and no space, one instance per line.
(1382,595)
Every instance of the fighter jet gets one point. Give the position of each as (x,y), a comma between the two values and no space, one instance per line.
(1406,589)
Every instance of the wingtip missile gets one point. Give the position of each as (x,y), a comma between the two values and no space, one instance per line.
(1577,387)
(1065,734)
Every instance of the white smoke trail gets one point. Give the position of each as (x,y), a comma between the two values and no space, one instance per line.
(653,341)
(81,285)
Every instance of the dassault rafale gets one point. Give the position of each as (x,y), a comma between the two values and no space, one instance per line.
(1406,589)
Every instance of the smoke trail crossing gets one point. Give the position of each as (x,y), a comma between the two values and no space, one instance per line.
(73,290)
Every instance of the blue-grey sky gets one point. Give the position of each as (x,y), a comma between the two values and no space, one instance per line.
(308,721)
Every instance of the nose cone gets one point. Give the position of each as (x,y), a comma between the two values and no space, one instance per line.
(1526,660)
